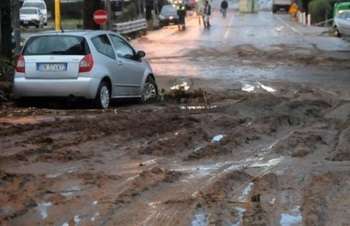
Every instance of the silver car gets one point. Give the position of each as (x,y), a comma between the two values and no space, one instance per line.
(97,65)
(342,23)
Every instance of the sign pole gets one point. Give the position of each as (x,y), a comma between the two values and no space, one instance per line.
(109,14)
(58,23)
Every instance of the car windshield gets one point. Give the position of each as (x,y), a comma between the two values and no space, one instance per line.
(29,11)
(168,10)
(56,45)
(39,5)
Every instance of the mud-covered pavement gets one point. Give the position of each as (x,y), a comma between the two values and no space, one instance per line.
(256,133)
(258,154)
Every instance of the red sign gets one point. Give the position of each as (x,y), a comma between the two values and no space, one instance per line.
(100,17)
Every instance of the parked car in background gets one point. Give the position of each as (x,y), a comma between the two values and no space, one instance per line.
(280,4)
(31,16)
(40,4)
(342,23)
(168,15)
(190,4)
(97,65)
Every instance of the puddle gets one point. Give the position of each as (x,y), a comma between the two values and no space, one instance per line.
(76,219)
(266,88)
(248,88)
(270,163)
(246,191)
(200,218)
(291,219)
(42,208)
(70,192)
(216,139)
(198,107)
(93,218)
(251,88)
(239,221)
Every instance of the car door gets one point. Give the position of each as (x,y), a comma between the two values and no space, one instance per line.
(133,68)
(108,61)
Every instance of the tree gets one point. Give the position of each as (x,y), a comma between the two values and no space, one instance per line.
(88,10)
(5,29)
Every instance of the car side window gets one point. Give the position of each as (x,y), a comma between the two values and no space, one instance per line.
(103,45)
(122,48)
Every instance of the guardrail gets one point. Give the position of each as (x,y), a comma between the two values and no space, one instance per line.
(130,26)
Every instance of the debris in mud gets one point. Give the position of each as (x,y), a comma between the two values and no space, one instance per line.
(200,218)
(326,199)
(216,139)
(342,150)
(183,86)
(301,143)
(292,218)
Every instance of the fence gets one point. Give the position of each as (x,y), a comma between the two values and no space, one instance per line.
(130,26)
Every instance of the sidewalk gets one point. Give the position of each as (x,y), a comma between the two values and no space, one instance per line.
(316,36)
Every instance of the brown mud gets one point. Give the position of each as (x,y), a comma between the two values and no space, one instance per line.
(276,155)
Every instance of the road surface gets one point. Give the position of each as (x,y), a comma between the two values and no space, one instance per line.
(252,129)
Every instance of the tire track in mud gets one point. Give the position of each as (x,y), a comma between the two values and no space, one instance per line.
(145,180)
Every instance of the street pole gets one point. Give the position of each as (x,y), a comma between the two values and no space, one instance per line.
(16,24)
(58,23)
(109,14)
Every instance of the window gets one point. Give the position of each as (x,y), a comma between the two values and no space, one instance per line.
(104,46)
(39,5)
(56,45)
(123,49)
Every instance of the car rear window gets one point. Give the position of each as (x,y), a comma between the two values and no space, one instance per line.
(39,5)
(29,11)
(168,9)
(56,45)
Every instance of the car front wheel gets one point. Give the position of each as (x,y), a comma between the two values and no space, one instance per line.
(150,91)
(103,96)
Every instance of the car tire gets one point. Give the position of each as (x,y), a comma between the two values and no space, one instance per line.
(336,32)
(150,91)
(103,96)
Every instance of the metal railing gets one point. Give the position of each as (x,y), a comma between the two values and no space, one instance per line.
(130,26)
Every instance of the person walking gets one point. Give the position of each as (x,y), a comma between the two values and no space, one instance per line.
(223,8)
(181,12)
(206,14)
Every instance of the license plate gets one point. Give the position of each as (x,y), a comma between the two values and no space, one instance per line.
(52,67)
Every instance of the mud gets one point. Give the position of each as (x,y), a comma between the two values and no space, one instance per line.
(273,156)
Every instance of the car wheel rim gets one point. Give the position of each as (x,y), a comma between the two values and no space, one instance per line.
(104,97)
(150,91)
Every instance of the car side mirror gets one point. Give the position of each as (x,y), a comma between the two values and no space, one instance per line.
(140,54)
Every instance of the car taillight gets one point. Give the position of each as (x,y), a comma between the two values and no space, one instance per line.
(21,64)
(86,64)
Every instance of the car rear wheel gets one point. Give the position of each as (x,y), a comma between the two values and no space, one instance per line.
(103,96)
(150,91)
(336,32)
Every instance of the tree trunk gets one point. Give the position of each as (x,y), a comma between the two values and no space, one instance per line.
(6,29)
(90,6)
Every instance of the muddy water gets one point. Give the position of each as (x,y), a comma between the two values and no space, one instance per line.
(274,155)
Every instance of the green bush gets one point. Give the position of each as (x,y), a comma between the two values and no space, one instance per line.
(320,10)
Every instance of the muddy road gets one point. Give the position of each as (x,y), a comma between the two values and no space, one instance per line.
(255,132)
(258,154)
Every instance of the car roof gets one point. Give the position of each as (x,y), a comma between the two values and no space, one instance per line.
(35,8)
(81,33)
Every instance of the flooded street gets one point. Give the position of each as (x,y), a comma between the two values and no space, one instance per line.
(252,129)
